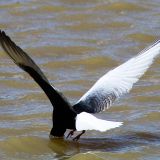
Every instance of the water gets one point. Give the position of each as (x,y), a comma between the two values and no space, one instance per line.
(75,43)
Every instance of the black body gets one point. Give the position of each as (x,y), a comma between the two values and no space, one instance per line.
(63,116)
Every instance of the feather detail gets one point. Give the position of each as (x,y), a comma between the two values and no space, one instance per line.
(117,82)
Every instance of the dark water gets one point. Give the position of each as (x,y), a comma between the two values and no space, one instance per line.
(75,43)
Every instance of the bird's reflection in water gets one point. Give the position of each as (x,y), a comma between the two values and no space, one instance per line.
(64,148)
(115,144)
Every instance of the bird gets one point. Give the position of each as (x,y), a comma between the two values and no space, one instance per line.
(101,96)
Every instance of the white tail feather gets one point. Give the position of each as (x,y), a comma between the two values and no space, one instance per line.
(86,121)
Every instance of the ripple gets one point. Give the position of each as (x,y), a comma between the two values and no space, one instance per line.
(121,6)
(91,63)
(142,37)
(57,51)
(10,5)
(75,43)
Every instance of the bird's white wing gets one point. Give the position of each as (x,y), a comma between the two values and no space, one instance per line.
(117,82)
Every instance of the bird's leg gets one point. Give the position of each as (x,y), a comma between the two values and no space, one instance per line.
(70,133)
(78,136)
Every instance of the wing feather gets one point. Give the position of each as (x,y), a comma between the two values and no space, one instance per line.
(22,59)
(117,82)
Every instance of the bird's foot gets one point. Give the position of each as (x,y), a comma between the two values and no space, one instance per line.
(70,134)
(78,136)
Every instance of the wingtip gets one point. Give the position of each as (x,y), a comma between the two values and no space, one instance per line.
(4,37)
(156,42)
(2,33)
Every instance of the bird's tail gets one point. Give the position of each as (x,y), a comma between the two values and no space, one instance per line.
(86,121)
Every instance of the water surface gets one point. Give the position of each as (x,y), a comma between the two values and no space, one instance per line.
(75,43)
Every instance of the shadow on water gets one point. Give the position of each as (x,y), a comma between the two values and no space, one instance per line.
(111,144)
(62,148)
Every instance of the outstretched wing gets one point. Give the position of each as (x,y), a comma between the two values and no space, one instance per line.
(27,64)
(117,82)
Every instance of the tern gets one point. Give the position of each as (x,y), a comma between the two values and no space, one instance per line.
(110,87)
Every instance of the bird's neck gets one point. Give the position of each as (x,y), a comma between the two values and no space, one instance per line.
(62,120)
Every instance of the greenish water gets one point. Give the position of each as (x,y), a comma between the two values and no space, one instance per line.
(75,43)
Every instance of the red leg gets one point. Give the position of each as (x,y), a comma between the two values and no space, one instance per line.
(70,134)
(78,136)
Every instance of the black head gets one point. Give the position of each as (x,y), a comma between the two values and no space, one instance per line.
(63,119)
